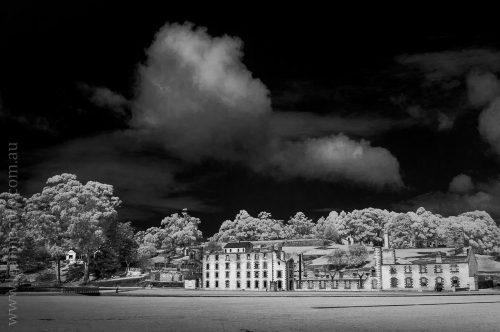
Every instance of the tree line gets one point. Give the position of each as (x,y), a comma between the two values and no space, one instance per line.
(68,214)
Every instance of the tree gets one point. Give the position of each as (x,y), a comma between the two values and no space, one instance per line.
(355,256)
(182,229)
(68,214)
(299,227)
(47,217)
(11,225)
(126,244)
(478,230)
(248,228)
(93,208)
(400,230)
(363,226)
(325,228)
(424,227)
(144,253)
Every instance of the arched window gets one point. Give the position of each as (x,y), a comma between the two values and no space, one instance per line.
(424,282)
(455,282)
(394,282)
(408,282)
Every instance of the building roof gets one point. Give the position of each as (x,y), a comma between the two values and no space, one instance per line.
(428,256)
(243,244)
(486,264)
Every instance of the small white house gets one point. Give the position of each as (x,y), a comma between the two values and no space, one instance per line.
(190,283)
(71,256)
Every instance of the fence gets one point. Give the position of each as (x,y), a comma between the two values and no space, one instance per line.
(81,290)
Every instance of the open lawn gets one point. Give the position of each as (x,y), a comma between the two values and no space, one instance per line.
(126,313)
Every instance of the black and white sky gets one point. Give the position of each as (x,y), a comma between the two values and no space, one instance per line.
(243,108)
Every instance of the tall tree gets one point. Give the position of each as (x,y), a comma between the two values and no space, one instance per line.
(126,244)
(299,227)
(182,229)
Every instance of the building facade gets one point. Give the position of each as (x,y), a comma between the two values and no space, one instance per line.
(428,269)
(241,266)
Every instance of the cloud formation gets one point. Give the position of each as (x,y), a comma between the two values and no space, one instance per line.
(198,100)
(463,195)
(439,66)
(461,184)
(336,158)
(484,91)
(482,88)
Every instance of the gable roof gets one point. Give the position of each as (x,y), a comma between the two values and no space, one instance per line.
(428,256)
(243,244)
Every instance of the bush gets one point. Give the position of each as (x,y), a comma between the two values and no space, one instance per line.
(47,276)
(75,272)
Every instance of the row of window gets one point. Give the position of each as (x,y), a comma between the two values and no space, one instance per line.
(279,274)
(424,282)
(238,256)
(423,269)
(256,265)
(256,284)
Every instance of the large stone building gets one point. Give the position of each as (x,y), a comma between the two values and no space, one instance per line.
(425,269)
(243,266)
(419,269)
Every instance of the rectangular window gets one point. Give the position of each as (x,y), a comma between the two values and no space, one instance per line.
(265,274)
(227,266)
(335,284)
(422,268)
(248,274)
(249,266)
(238,266)
(256,274)
(310,284)
(227,274)
(256,284)
(227,257)
(408,282)
(264,283)
(264,265)
(438,269)
(248,284)
(394,270)
(248,256)
(216,257)
(322,284)
(407,268)
(279,274)
(238,256)
(256,265)
(208,266)
(347,284)
(454,268)
(238,274)
(216,284)
(217,274)
(208,257)
(256,256)
(207,284)
(216,266)
(238,284)
(208,275)
(227,283)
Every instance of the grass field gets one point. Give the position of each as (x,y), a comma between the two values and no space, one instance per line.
(125,313)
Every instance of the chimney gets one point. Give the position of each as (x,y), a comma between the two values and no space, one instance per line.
(386,240)
(378,266)
(438,257)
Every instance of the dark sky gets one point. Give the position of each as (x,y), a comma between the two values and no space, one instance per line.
(312,109)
